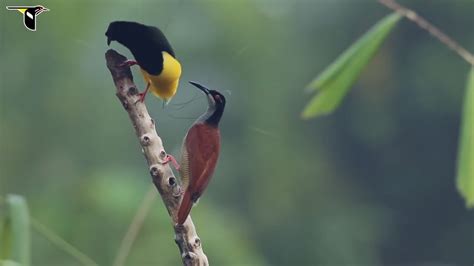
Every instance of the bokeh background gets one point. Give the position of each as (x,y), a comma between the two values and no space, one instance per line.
(371,184)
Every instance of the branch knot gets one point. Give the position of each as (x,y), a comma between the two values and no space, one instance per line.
(145,140)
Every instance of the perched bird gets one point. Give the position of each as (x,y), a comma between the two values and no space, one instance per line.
(153,53)
(200,151)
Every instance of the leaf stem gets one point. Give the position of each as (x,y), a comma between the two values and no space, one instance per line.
(134,227)
(434,31)
(62,244)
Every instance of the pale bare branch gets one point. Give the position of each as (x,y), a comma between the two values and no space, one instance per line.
(165,182)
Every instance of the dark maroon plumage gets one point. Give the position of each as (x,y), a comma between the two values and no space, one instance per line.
(200,152)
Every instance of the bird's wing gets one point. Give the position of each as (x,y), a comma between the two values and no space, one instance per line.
(203,145)
(184,165)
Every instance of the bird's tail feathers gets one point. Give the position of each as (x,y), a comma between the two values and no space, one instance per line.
(185,208)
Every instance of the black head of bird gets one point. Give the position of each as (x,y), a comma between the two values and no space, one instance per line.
(135,35)
(122,32)
(153,53)
(216,104)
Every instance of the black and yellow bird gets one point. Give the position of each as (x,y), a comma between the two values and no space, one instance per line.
(153,53)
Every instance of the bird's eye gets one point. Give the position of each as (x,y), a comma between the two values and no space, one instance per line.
(217,98)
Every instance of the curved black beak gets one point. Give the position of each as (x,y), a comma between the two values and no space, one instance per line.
(42,8)
(108,40)
(201,87)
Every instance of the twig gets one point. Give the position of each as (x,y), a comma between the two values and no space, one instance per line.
(134,228)
(61,243)
(424,24)
(165,182)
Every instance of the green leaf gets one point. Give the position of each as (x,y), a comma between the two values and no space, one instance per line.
(334,82)
(465,167)
(61,243)
(18,220)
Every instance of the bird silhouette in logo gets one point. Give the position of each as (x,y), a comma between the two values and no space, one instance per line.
(29,14)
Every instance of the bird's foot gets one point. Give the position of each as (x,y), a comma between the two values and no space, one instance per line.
(170,158)
(141,95)
(129,63)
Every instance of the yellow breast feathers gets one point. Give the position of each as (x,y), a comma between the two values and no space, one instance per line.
(165,84)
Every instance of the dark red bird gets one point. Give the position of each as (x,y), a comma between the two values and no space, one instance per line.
(200,151)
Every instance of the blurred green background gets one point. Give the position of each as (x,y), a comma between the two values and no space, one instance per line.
(371,184)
